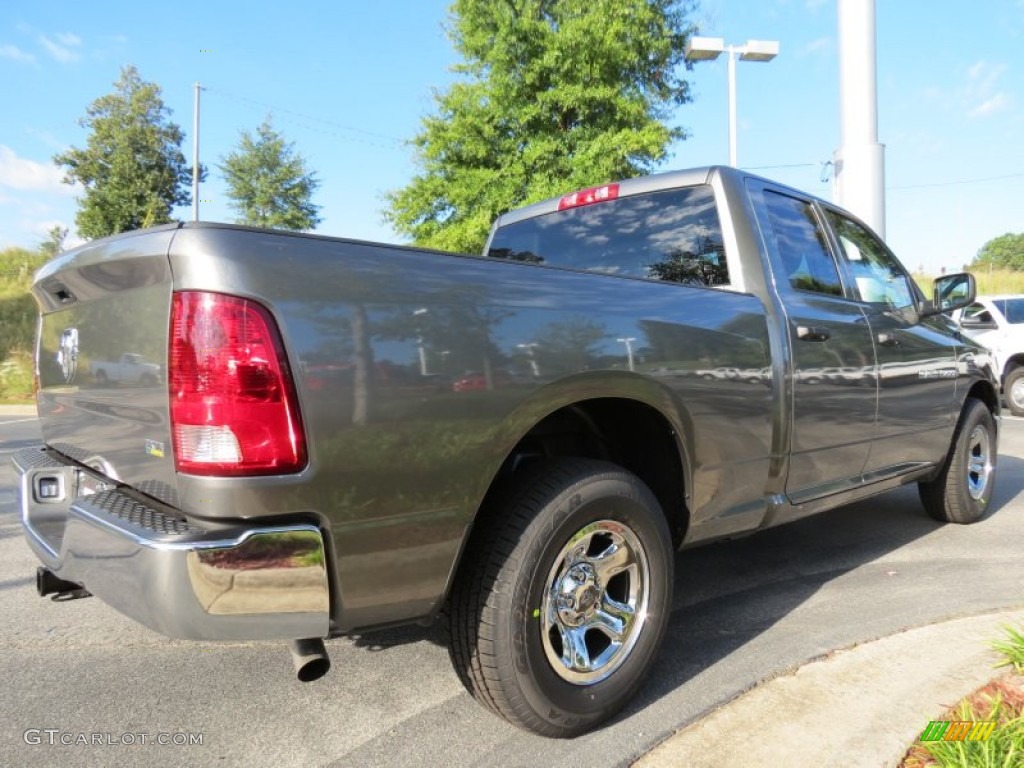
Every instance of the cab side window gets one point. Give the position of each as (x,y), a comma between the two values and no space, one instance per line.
(878,278)
(800,245)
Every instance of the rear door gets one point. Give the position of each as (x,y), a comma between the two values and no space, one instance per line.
(834,384)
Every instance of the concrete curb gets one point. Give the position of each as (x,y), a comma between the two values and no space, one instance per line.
(18,410)
(863,706)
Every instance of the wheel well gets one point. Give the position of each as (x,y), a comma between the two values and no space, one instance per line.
(985,393)
(1017,361)
(625,432)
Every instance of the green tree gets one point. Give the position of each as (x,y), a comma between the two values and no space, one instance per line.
(132,168)
(555,95)
(268,183)
(54,242)
(1003,252)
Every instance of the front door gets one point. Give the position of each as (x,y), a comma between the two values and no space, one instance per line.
(917,359)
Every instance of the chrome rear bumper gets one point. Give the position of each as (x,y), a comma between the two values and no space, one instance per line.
(249,583)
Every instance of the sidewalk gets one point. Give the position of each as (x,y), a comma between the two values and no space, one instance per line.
(18,410)
(864,706)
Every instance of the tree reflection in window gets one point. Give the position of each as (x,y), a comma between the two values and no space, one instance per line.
(513,255)
(800,245)
(706,267)
(672,235)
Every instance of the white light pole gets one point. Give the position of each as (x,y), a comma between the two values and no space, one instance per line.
(628,341)
(710,48)
(417,313)
(195,155)
(859,179)
(529,347)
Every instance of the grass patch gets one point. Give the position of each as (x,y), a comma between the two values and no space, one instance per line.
(1012,649)
(1001,700)
(990,282)
(17,378)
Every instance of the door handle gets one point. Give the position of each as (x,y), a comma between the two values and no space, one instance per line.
(888,340)
(812,333)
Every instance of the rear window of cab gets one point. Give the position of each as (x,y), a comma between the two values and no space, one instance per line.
(672,235)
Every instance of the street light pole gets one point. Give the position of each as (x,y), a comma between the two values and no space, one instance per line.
(732,106)
(529,347)
(420,345)
(195,155)
(628,341)
(710,48)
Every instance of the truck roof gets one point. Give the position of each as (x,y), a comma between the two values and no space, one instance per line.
(636,186)
(643,184)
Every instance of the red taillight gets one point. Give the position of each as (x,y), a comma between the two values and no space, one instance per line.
(589,196)
(233,404)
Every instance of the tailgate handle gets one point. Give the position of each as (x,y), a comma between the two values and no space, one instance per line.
(812,333)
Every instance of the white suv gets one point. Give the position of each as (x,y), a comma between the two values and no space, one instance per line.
(998,323)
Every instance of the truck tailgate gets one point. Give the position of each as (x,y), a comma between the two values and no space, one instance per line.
(99,302)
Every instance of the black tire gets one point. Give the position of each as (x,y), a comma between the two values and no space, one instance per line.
(101,376)
(539,564)
(1013,389)
(962,490)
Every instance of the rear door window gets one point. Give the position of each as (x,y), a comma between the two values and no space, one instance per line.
(674,235)
(800,245)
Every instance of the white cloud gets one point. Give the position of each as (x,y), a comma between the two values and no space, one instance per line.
(24,174)
(816,46)
(990,106)
(979,94)
(63,51)
(15,53)
(41,228)
(983,97)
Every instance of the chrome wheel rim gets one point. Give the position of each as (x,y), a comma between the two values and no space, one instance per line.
(595,602)
(979,462)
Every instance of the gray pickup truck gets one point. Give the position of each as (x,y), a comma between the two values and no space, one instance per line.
(352,435)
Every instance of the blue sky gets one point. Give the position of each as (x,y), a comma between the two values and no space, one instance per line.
(348,83)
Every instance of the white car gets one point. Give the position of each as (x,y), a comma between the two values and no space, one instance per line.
(998,323)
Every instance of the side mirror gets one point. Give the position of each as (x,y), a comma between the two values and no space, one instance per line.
(952,292)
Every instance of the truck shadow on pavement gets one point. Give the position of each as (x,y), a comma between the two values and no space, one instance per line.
(748,609)
(790,595)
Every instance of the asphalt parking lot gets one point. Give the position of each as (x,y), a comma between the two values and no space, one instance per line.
(745,611)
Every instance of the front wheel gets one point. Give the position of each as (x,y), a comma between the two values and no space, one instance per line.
(963,489)
(562,602)
(1013,388)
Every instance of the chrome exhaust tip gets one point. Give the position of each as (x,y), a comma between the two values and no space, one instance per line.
(310,659)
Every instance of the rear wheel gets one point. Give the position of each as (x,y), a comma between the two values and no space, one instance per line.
(963,489)
(1013,387)
(563,599)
